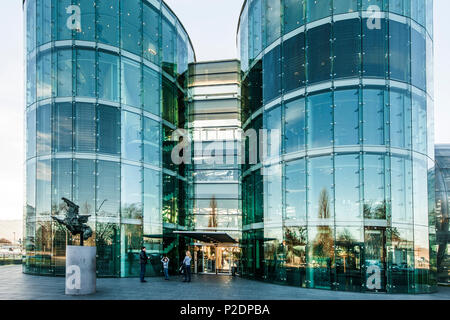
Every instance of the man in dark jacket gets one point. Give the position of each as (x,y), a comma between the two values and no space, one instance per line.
(143,259)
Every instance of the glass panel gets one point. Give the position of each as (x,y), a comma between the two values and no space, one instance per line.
(345,6)
(272,74)
(320,252)
(62,127)
(320,120)
(168,47)
(374,187)
(347,48)
(44,75)
(152,141)
(295,191)
(272,21)
(151,90)
(108,130)
(131,136)
(294,69)
(31,25)
(108,21)
(130,26)
(31,134)
(152,196)
(84,127)
(399,44)
(169,101)
(318,9)
(401,7)
(151,24)
(131,243)
(347,188)
(31,81)
(43,130)
(273,196)
(255,28)
(64,73)
(272,121)
(87,10)
(61,184)
(131,83)
(375,48)
(349,246)
(401,190)
(400,118)
(108,189)
(319,51)
(43,188)
(62,32)
(108,76)
(419,123)
(86,73)
(346,117)
(320,189)
(401,259)
(293,14)
(295,125)
(84,185)
(375,259)
(43,21)
(418,59)
(131,192)
(373,117)
(418,10)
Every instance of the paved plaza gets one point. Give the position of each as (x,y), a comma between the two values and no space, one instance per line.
(14,285)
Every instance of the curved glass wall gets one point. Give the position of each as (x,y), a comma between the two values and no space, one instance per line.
(105,90)
(338,199)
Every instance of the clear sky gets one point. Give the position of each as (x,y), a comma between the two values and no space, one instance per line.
(212,26)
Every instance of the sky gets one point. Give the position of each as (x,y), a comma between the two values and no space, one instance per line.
(211,25)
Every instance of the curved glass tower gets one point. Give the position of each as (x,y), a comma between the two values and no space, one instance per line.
(105,89)
(344,197)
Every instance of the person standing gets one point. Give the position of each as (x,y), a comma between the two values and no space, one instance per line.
(187,267)
(143,259)
(165,262)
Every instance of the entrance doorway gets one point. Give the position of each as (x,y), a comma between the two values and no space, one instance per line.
(216,259)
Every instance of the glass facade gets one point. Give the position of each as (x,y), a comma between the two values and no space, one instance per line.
(105,82)
(442,212)
(341,203)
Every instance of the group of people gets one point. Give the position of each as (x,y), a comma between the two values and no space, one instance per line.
(185,265)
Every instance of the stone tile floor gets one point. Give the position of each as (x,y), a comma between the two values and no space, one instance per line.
(14,285)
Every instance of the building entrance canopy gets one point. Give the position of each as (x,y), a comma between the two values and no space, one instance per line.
(208,236)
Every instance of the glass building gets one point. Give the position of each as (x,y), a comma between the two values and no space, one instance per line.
(342,197)
(442,212)
(105,89)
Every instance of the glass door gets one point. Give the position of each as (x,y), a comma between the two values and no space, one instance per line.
(224,257)
(209,259)
(375,259)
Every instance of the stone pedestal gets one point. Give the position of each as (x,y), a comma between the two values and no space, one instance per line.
(80,270)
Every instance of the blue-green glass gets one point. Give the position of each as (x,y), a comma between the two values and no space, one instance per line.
(347,186)
(108,188)
(318,9)
(429,16)
(345,6)
(84,185)
(419,122)
(319,120)
(373,117)
(131,192)
(272,122)
(255,25)
(319,53)
(349,254)
(272,21)
(30,7)
(418,59)
(30,190)
(43,130)
(31,133)
(87,10)
(131,243)
(346,117)
(182,52)
(85,129)
(64,73)
(169,100)
(347,48)
(108,22)
(294,125)
(168,47)
(399,50)
(151,91)
(374,48)
(293,63)
(108,127)
(152,197)
(86,67)
(43,21)
(272,74)
(400,118)
(375,204)
(419,11)
(367,4)
(44,75)
(320,257)
(131,136)
(43,187)
(131,83)
(64,20)
(152,141)
(31,81)
(401,7)
(62,133)
(108,76)
(273,194)
(401,190)
(295,191)
(131,26)
(61,184)
(320,188)
(293,14)
(151,33)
